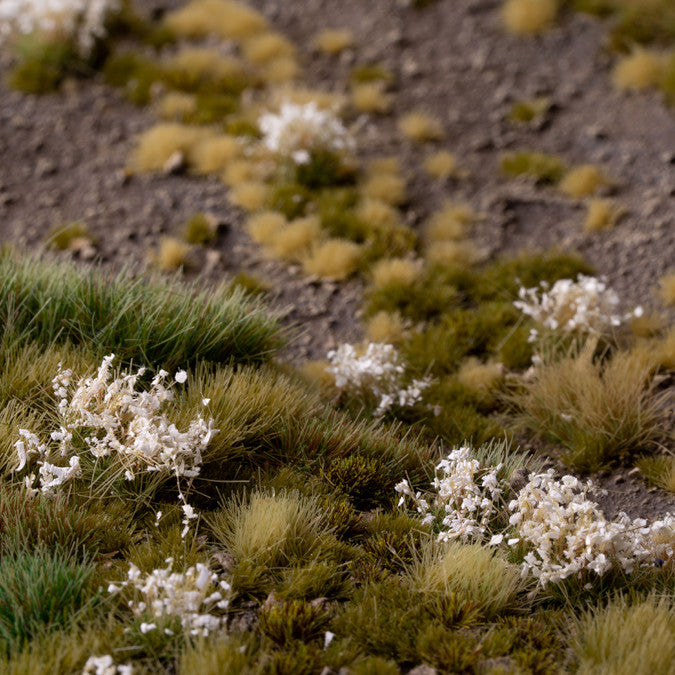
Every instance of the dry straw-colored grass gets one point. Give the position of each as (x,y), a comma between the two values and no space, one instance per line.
(157,145)
(334,259)
(263,227)
(212,155)
(173,254)
(297,239)
(386,327)
(206,64)
(460,253)
(371,97)
(385,187)
(667,289)
(224,18)
(377,214)
(480,377)
(529,17)
(450,223)
(642,69)
(602,214)
(240,171)
(266,48)
(583,181)
(421,127)
(333,40)
(395,271)
(174,106)
(250,195)
(282,70)
(441,165)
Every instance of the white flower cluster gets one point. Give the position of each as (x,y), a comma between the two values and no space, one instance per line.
(568,533)
(112,419)
(105,665)
(191,596)
(82,21)
(298,130)
(562,530)
(379,372)
(586,305)
(467,497)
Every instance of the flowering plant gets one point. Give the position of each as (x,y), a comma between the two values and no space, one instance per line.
(378,372)
(297,131)
(79,21)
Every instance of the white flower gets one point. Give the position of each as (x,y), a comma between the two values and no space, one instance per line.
(180,377)
(147,627)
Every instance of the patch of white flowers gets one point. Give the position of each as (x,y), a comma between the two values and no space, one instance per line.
(82,21)
(466,497)
(192,596)
(586,305)
(563,532)
(568,534)
(379,372)
(107,417)
(105,665)
(298,130)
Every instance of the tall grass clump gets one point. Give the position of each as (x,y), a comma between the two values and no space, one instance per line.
(149,321)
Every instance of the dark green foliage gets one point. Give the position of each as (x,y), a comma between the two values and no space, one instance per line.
(250,284)
(44,65)
(667,83)
(318,579)
(370,73)
(154,322)
(134,73)
(293,620)
(526,111)
(239,126)
(291,199)
(335,208)
(450,651)
(541,167)
(300,659)
(125,23)
(200,229)
(212,108)
(40,590)
(324,169)
(364,480)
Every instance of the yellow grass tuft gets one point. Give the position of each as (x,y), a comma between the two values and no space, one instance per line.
(390,165)
(450,223)
(297,239)
(529,17)
(371,97)
(420,127)
(334,259)
(333,40)
(667,288)
(659,470)
(214,154)
(398,271)
(266,48)
(224,18)
(241,171)
(583,181)
(376,214)
(176,105)
(602,214)
(479,377)
(163,141)
(639,70)
(264,226)
(625,639)
(386,328)
(441,165)
(458,253)
(250,196)
(385,187)
(473,572)
(665,350)
(316,372)
(280,71)
(206,64)
(173,254)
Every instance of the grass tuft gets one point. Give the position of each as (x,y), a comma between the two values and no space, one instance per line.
(583,181)
(420,127)
(332,41)
(173,254)
(224,18)
(602,214)
(333,259)
(371,97)
(441,165)
(640,70)
(667,289)
(529,17)
(539,166)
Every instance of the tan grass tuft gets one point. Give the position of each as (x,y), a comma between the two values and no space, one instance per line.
(264,226)
(334,259)
(389,165)
(214,154)
(333,40)
(398,271)
(385,187)
(450,223)
(458,253)
(241,171)
(371,97)
(420,127)
(173,254)
(642,69)
(665,350)
(297,239)
(206,63)
(583,181)
(529,17)
(441,165)
(250,196)
(386,328)
(163,141)
(266,48)
(176,105)
(667,289)
(479,377)
(624,639)
(376,214)
(316,372)
(224,18)
(280,71)
(602,214)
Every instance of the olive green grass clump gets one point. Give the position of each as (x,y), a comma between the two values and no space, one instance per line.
(538,166)
(667,289)
(71,236)
(528,17)
(528,110)
(659,470)
(583,181)
(149,321)
(200,229)
(598,409)
(602,214)
(332,41)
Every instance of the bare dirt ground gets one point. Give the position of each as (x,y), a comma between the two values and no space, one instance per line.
(64,155)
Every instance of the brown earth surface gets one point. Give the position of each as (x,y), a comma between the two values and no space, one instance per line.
(64,157)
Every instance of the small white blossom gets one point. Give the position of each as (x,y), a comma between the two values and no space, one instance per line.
(105,665)
(180,376)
